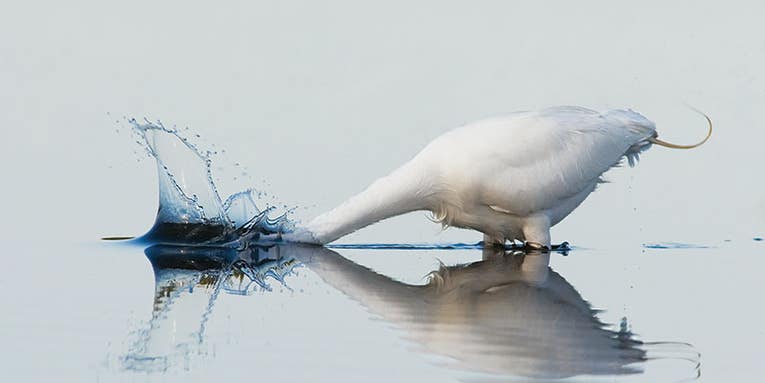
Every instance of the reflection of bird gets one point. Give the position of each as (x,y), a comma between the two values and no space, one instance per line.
(508,314)
(511,177)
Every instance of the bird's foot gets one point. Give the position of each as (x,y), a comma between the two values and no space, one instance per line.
(563,246)
(535,247)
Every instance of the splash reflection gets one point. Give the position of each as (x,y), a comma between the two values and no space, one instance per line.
(188,281)
(508,314)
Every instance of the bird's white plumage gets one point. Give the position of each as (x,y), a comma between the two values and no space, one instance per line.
(510,177)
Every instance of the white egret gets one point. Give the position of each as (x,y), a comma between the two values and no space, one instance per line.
(510,177)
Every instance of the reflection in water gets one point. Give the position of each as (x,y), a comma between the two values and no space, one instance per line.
(188,280)
(507,314)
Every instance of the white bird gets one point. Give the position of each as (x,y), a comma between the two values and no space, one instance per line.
(510,177)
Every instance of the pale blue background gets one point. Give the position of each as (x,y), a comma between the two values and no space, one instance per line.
(331,95)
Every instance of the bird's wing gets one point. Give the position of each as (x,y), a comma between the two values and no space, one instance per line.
(531,161)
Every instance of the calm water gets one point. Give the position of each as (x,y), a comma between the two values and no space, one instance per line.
(314,100)
(209,293)
(293,313)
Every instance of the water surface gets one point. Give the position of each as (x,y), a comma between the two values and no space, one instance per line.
(503,314)
(211,292)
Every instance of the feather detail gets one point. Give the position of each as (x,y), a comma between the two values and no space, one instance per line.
(499,209)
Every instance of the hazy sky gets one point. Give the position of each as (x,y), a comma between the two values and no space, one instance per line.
(320,98)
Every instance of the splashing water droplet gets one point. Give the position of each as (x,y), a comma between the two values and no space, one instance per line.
(190,207)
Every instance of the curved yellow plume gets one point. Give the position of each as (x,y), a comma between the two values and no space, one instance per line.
(659,142)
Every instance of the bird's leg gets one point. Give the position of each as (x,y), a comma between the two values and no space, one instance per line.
(493,241)
(492,246)
(534,268)
(492,252)
(536,232)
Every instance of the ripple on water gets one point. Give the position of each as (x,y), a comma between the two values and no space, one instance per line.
(673,245)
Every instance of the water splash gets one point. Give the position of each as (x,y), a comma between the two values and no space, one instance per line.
(191,209)
(673,245)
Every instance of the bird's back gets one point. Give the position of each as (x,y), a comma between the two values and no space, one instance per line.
(531,161)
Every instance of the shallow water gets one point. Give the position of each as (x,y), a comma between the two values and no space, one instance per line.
(291,313)
(210,292)
(311,102)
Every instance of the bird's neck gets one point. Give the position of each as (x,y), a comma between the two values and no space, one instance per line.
(402,191)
